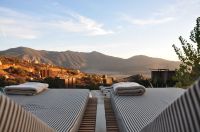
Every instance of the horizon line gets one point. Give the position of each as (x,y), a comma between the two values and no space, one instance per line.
(89,52)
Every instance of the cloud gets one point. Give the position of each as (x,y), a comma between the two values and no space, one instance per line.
(17,29)
(23,26)
(12,13)
(152,21)
(179,8)
(11,31)
(16,25)
(91,25)
(82,24)
(176,10)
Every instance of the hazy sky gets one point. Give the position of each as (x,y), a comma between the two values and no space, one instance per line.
(121,28)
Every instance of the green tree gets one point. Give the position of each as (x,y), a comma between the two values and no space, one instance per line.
(189,56)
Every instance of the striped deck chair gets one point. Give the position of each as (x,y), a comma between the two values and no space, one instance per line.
(61,109)
(13,118)
(133,113)
(183,115)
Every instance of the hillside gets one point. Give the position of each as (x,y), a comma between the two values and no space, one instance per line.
(13,67)
(94,62)
(15,71)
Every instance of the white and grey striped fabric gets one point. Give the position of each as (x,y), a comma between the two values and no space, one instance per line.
(61,109)
(135,112)
(181,116)
(13,118)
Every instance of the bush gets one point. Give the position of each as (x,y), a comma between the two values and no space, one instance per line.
(6,82)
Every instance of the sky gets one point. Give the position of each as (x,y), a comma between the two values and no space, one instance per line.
(121,28)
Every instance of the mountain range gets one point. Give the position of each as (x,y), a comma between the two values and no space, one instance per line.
(93,62)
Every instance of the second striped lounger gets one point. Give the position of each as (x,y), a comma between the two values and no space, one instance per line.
(135,112)
(183,115)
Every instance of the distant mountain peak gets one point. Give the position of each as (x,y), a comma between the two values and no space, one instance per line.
(93,61)
(95,52)
(139,56)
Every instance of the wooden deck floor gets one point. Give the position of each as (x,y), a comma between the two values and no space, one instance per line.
(89,119)
(111,123)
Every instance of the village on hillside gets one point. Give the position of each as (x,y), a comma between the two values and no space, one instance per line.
(16,71)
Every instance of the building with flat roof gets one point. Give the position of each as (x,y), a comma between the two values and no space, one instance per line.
(162,77)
